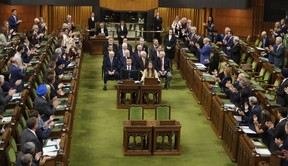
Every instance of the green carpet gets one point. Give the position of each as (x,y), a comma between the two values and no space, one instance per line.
(97,134)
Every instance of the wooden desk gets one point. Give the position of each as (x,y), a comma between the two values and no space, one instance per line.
(166,129)
(231,134)
(182,64)
(247,154)
(137,138)
(146,90)
(190,74)
(95,45)
(123,101)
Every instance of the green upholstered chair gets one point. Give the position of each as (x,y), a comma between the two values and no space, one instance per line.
(243,57)
(19,130)
(257,42)
(10,155)
(163,112)
(136,113)
(13,144)
(22,121)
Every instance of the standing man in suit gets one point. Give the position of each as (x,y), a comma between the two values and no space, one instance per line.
(283,27)
(279,131)
(157,26)
(162,66)
(169,46)
(122,32)
(111,68)
(205,51)
(16,75)
(44,106)
(4,99)
(102,29)
(265,40)
(142,43)
(192,46)
(235,50)
(14,21)
(280,92)
(278,53)
(29,134)
(91,24)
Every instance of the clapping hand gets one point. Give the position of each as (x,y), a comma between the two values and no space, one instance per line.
(269,124)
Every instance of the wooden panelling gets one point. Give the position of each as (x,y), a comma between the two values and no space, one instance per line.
(240,21)
(55,15)
(25,13)
(129,5)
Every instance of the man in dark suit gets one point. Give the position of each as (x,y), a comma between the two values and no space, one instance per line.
(282,148)
(228,43)
(205,51)
(53,89)
(192,47)
(153,48)
(169,46)
(278,53)
(102,29)
(142,62)
(235,50)
(91,24)
(111,68)
(279,131)
(265,40)
(110,42)
(248,114)
(142,43)
(162,66)
(217,37)
(14,21)
(121,52)
(29,134)
(155,54)
(128,66)
(124,58)
(283,26)
(280,92)
(4,99)
(137,52)
(122,32)
(157,26)
(44,106)
(129,47)
(16,75)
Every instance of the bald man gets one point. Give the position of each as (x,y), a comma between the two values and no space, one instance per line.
(278,52)
(265,40)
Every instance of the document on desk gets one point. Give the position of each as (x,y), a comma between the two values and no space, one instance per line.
(263,151)
(260,49)
(6,119)
(238,118)
(53,142)
(247,130)
(16,96)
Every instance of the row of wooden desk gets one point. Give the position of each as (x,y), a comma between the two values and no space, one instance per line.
(142,138)
(239,146)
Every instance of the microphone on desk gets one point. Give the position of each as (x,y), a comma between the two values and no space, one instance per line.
(129,76)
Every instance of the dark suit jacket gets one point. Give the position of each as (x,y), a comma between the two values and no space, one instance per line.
(121,32)
(144,48)
(3,100)
(129,47)
(105,47)
(28,136)
(157,23)
(166,65)
(278,131)
(44,107)
(16,74)
(236,53)
(91,24)
(152,51)
(265,42)
(53,91)
(98,31)
(279,55)
(249,118)
(170,43)
(122,61)
(13,23)
(108,67)
(281,94)
(140,65)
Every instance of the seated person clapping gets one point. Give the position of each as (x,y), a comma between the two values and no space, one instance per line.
(16,75)
(4,99)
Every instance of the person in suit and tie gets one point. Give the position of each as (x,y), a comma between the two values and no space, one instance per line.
(278,53)
(122,32)
(283,27)
(278,133)
(124,58)
(4,98)
(121,52)
(228,42)
(137,52)
(153,48)
(155,54)
(29,134)
(265,40)
(14,21)
(157,26)
(111,68)
(43,105)
(282,146)
(142,62)
(142,43)
(16,75)
(251,110)
(236,50)
(110,42)
(280,92)
(205,52)
(91,24)
(102,30)
(169,46)
(162,66)
(129,47)
(192,45)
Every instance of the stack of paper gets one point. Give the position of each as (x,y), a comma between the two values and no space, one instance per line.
(238,118)
(16,96)
(229,106)
(200,66)
(51,148)
(6,119)
(71,64)
(260,49)
(247,130)
(263,151)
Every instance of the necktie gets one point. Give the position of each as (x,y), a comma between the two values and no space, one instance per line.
(143,60)
(139,54)
(111,61)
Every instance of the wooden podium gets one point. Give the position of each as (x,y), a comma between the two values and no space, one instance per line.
(94,45)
